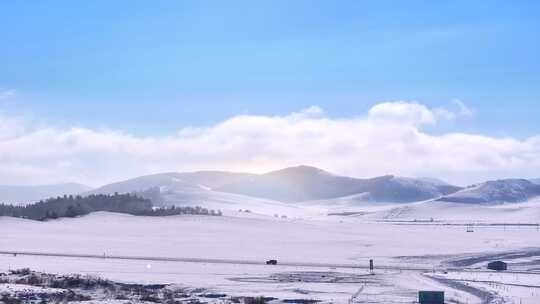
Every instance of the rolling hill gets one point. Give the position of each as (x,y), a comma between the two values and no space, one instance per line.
(195,189)
(292,191)
(173,181)
(277,190)
(304,183)
(494,192)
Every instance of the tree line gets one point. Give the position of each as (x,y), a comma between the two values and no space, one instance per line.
(72,206)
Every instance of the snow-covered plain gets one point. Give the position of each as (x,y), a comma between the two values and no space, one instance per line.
(322,246)
(255,237)
(350,240)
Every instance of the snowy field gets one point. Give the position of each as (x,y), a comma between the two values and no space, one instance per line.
(403,251)
(255,237)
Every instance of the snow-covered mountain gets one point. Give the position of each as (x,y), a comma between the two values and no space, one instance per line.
(294,184)
(30,194)
(274,190)
(289,191)
(173,181)
(535,180)
(498,191)
(304,183)
(483,202)
(285,188)
(403,189)
(196,189)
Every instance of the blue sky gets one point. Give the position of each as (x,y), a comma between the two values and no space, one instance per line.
(100,91)
(153,67)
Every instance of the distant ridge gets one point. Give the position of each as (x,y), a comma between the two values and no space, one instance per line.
(304,183)
(498,191)
(173,181)
(285,187)
(289,185)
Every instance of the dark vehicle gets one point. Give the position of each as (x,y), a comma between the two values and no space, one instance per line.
(497,265)
(271,262)
(431,297)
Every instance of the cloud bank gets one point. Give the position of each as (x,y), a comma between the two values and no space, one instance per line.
(389,139)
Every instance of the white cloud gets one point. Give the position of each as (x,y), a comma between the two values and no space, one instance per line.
(388,140)
(403,112)
(414,113)
(10,127)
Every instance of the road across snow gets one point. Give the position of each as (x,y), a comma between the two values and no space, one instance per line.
(211,261)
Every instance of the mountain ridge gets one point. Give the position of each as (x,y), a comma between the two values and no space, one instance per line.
(301,184)
(290,185)
(305,183)
(496,191)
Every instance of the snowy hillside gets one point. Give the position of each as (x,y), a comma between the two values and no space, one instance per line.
(403,189)
(295,184)
(273,192)
(232,202)
(303,183)
(535,180)
(195,189)
(30,194)
(439,211)
(173,181)
(303,190)
(499,191)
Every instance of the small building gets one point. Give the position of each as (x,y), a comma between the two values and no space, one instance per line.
(497,265)
(431,297)
(271,262)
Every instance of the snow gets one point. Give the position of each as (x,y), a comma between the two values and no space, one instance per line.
(385,233)
(20,288)
(253,237)
(293,184)
(499,191)
(232,202)
(511,287)
(300,184)
(214,277)
(447,212)
(361,203)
